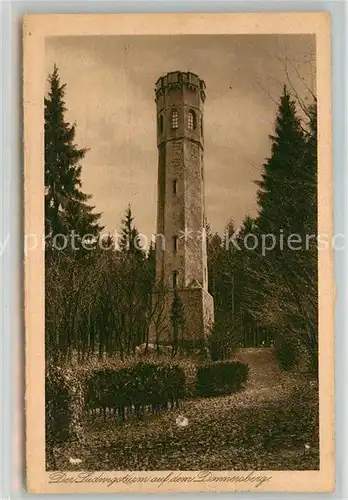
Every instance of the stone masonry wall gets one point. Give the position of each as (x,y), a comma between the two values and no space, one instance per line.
(194,259)
(182,210)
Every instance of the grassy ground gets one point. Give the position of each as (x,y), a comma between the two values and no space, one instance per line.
(271,425)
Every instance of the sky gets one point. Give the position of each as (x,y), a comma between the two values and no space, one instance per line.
(110,84)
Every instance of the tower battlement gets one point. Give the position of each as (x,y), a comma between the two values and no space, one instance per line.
(179,79)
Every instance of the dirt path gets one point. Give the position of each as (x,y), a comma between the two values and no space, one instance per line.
(266,383)
(263,366)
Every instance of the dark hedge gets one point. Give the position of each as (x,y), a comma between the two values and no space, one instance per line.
(222,377)
(145,385)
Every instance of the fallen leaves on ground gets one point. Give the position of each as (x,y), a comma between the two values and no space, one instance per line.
(265,426)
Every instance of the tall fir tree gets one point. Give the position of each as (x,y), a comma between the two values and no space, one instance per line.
(66,207)
(177,318)
(285,290)
(151,261)
(280,181)
(309,174)
(130,242)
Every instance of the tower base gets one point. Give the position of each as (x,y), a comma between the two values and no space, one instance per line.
(198,312)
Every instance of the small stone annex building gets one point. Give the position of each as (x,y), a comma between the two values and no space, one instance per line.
(181,252)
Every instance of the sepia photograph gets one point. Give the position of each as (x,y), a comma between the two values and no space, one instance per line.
(180,248)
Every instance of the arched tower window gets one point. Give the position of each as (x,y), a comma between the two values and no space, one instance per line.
(175,279)
(175,243)
(192,121)
(175,118)
(160,124)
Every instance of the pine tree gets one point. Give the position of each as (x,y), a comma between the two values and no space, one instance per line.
(177,319)
(130,241)
(285,291)
(309,174)
(66,206)
(214,251)
(151,262)
(280,181)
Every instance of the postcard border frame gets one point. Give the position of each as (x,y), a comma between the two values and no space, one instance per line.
(32,200)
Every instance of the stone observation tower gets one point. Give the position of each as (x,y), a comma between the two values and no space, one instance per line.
(181,253)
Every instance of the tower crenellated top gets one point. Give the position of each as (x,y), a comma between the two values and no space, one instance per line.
(178,80)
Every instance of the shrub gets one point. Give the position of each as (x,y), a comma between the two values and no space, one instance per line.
(144,385)
(64,402)
(221,343)
(220,378)
(286,354)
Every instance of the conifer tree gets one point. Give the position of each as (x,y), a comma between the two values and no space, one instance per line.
(214,251)
(287,276)
(66,207)
(151,262)
(309,174)
(281,180)
(130,240)
(177,319)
